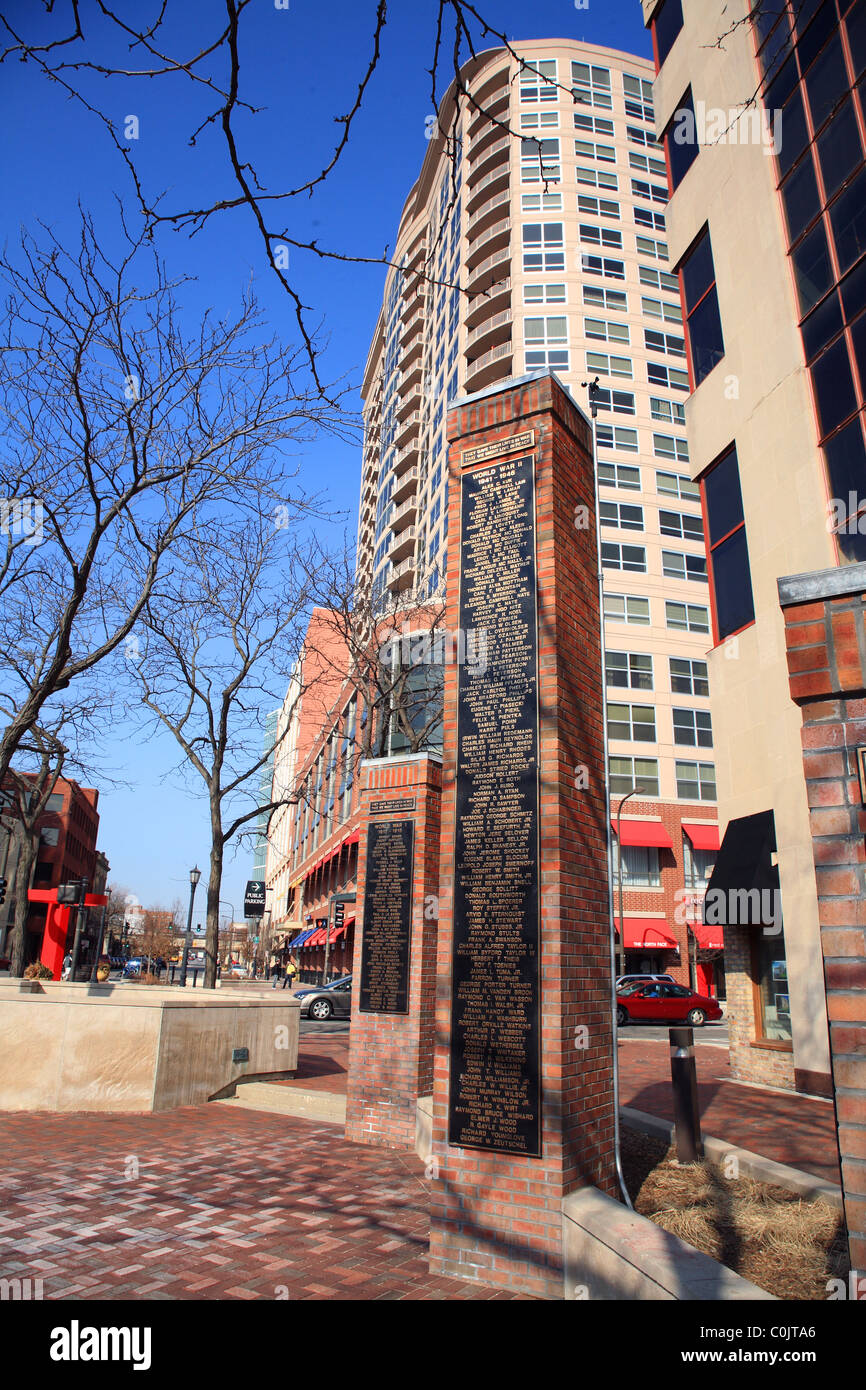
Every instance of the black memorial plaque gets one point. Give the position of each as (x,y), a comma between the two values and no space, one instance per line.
(387,918)
(495,1092)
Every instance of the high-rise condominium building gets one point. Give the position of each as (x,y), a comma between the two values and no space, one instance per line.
(767,229)
(543,243)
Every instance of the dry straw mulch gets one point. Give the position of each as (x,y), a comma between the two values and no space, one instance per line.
(787,1245)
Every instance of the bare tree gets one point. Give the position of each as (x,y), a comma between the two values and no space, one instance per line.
(120,431)
(220,639)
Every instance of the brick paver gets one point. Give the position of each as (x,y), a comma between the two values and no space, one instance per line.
(212,1202)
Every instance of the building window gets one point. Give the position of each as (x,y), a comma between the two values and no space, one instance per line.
(626,516)
(730,574)
(605,299)
(686,617)
(586,149)
(683,525)
(627,608)
(676,565)
(640,866)
(689,677)
(651,191)
(668,446)
(594,124)
(703,323)
(598,207)
(666,25)
(619,475)
(544,294)
(541,202)
(645,217)
(606,330)
(654,341)
(602,265)
(698,864)
(770,974)
(659,279)
(627,774)
(676,485)
(537,79)
(634,723)
(597,178)
(671,377)
(600,236)
(543,247)
(696,781)
(694,727)
(539,120)
(644,164)
(661,309)
(640,136)
(618,437)
(609,366)
(638,94)
(591,85)
(539,161)
(670,411)
(541,338)
(623,557)
(620,402)
(631,670)
(681,140)
(648,246)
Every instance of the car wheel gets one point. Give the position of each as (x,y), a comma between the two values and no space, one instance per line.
(321,1009)
(621,1016)
(697,1018)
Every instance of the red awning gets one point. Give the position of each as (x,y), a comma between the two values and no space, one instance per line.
(704,834)
(353,838)
(709,938)
(317,938)
(648,934)
(651,834)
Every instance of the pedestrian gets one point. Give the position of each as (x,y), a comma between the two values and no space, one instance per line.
(276,971)
(67,966)
(291,972)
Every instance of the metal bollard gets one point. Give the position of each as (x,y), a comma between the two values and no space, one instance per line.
(684,1079)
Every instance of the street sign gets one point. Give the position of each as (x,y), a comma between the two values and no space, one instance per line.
(254,899)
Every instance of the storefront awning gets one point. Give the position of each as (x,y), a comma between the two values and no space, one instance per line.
(744,886)
(648,934)
(709,938)
(650,834)
(353,838)
(703,834)
(304,938)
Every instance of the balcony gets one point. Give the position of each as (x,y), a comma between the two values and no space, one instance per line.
(486,272)
(494,109)
(405,485)
(492,88)
(411,373)
(496,298)
(488,333)
(489,160)
(494,237)
(413,299)
(488,368)
(486,137)
(404,516)
(402,576)
(403,545)
(406,456)
(411,326)
(486,213)
(404,429)
(412,350)
(494,182)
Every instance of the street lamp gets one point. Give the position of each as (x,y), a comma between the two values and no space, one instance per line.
(194,876)
(621,947)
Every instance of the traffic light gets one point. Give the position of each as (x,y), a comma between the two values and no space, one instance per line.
(2,890)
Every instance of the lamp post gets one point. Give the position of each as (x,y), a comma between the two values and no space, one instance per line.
(194,876)
(621,947)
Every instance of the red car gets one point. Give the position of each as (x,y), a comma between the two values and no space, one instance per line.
(664,1003)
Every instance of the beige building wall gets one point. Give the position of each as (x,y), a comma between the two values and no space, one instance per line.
(759,398)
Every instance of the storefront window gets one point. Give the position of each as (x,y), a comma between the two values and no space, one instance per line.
(773,1022)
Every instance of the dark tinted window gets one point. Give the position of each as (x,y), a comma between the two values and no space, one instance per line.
(834,387)
(795,136)
(856,26)
(846,461)
(682,140)
(705,336)
(812,269)
(816,34)
(732,584)
(779,41)
(666,25)
(848,218)
(782,86)
(826,82)
(839,148)
(723,497)
(800,198)
(698,271)
(858,334)
(821,326)
(853,291)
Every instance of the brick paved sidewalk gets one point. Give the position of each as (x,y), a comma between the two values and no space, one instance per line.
(789,1128)
(212,1203)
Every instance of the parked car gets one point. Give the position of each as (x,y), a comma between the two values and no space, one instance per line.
(235,972)
(327,1001)
(665,1003)
(641,979)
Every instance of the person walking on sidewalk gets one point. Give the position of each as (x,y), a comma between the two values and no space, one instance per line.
(291,973)
(276,972)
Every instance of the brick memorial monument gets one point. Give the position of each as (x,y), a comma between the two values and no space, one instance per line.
(391,1039)
(522,1091)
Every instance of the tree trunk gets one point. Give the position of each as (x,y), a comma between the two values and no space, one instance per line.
(213,912)
(23,875)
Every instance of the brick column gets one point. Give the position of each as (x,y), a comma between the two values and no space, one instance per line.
(391,1054)
(825,630)
(496,1215)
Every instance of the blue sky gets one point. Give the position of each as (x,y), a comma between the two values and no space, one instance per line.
(302,65)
